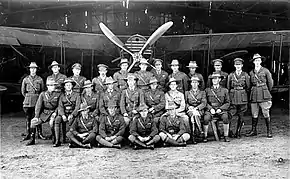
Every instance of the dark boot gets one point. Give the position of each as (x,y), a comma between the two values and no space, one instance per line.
(269,127)
(32,137)
(193,140)
(39,132)
(175,143)
(52,135)
(57,135)
(140,144)
(28,131)
(240,124)
(63,132)
(253,132)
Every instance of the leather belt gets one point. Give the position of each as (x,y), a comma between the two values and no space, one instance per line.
(260,84)
(238,88)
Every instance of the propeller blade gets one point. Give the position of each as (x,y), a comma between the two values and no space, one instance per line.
(113,38)
(116,59)
(235,54)
(156,35)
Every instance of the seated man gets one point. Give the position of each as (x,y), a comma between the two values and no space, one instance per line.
(175,99)
(195,103)
(84,129)
(45,109)
(143,130)
(91,98)
(172,129)
(155,100)
(112,127)
(218,103)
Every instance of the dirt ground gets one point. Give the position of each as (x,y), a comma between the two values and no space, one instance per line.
(255,157)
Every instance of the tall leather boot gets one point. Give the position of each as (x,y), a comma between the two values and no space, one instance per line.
(39,132)
(63,125)
(205,127)
(57,135)
(28,132)
(269,127)
(253,132)
(240,124)
(32,137)
(52,135)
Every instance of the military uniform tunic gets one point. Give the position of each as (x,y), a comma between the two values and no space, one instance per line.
(120,77)
(262,84)
(155,99)
(59,78)
(172,125)
(82,125)
(182,86)
(79,80)
(130,100)
(175,99)
(201,80)
(162,78)
(91,100)
(143,127)
(196,99)
(106,97)
(223,82)
(112,125)
(222,102)
(31,88)
(46,105)
(98,84)
(69,104)
(143,79)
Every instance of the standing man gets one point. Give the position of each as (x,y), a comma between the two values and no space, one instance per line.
(112,127)
(143,130)
(179,76)
(121,75)
(192,68)
(131,98)
(45,109)
(262,83)
(238,84)
(79,80)
(99,81)
(142,75)
(110,95)
(195,100)
(155,100)
(160,75)
(218,103)
(83,132)
(69,103)
(91,98)
(56,75)
(32,86)
(218,64)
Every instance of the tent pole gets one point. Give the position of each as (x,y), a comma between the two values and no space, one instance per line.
(92,64)
(280,56)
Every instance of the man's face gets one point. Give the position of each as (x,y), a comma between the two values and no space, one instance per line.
(216,80)
(68,86)
(173,85)
(50,87)
(32,71)
(131,82)
(55,69)
(218,66)
(194,84)
(76,71)
(89,89)
(110,86)
(192,70)
(257,61)
(143,66)
(124,66)
(153,86)
(102,71)
(238,66)
(158,65)
(174,68)
(112,110)
(144,113)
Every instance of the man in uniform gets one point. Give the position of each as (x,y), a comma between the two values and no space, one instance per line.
(91,98)
(160,75)
(121,75)
(142,75)
(110,94)
(238,84)
(79,80)
(84,129)
(192,68)
(131,98)
(143,130)
(218,103)
(45,109)
(218,64)
(180,76)
(112,127)
(155,100)
(69,103)
(172,129)
(32,86)
(195,100)
(175,99)
(98,82)
(56,75)
(260,97)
